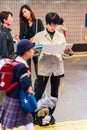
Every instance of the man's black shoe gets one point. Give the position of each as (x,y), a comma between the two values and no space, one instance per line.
(52,121)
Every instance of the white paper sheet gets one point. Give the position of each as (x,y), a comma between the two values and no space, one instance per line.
(69,45)
(53,49)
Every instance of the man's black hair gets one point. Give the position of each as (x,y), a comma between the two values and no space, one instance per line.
(4,15)
(61,21)
(52,17)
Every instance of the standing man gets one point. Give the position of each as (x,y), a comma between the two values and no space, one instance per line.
(49,66)
(6,40)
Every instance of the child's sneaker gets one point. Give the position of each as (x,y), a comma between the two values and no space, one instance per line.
(46,120)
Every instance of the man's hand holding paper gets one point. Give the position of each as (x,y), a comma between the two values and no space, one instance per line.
(68,49)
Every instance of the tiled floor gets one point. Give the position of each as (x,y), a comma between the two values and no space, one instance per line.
(72,103)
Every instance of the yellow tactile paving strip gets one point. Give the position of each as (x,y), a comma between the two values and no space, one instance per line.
(69,125)
(61,88)
(76,55)
(80,54)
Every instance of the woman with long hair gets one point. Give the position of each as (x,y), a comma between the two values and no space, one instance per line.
(29,26)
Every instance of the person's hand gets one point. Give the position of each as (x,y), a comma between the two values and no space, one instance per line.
(16,37)
(36,51)
(68,51)
(30,89)
(31,39)
(29,73)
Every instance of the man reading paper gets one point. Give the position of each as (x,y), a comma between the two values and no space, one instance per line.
(49,65)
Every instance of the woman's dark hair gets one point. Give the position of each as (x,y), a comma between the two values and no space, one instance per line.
(52,18)
(4,15)
(22,18)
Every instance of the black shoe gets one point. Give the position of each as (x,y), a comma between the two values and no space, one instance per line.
(52,121)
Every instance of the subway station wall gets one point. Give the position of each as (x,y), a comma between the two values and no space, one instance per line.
(73,12)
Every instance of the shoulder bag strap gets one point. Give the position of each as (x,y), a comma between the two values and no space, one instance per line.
(36,25)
